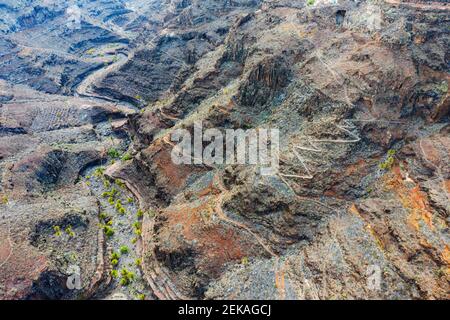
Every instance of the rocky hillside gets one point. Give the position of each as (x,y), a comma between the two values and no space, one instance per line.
(358,90)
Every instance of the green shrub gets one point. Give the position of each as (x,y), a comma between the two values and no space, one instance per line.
(69,231)
(138,262)
(120,183)
(140,296)
(139,213)
(99,172)
(113,153)
(137,228)
(130,200)
(114,262)
(244,261)
(310,2)
(391,152)
(57,230)
(115,274)
(115,255)
(108,231)
(126,157)
(103,216)
(389,162)
(137,225)
(106,183)
(124,250)
(127,277)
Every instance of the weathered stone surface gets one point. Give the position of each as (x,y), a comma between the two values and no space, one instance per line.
(359,91)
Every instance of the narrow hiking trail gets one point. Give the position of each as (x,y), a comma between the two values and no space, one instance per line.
(84,88)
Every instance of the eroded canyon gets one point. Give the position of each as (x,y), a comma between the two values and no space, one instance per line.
(91,91)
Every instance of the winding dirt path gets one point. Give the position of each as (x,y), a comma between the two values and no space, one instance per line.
(84,88)
(225,194)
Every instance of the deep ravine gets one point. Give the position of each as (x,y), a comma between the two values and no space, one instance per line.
(121,220)
(119,216)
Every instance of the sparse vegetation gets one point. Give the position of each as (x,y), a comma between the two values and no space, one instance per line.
(109,231)
(137,225)
(140,296)
(99,172)
(114,274)
(113,153)
(126,157)
(124,250)
(57,230)
(106,183)
(103,216)
(126,277)
(120,183)
(69,231)
(389,162)
(119,208)
(115,255)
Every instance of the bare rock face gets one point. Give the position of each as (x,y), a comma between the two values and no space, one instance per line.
(359,91)
(371,198)
(188,31)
